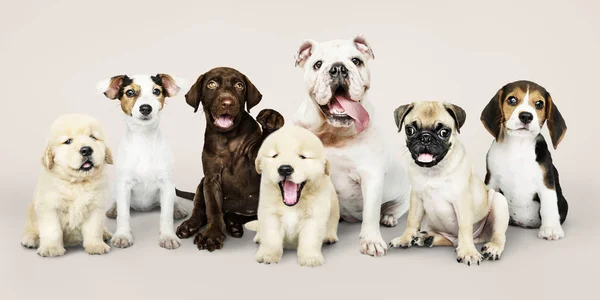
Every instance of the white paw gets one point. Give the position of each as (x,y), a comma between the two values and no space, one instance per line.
(388,221)
(169,241)
(551,233)
(30,241)
(97,248)
(492,251)
(468,255)
(373,245)
(51,251)
(311,260)
(264,256)
(122,240)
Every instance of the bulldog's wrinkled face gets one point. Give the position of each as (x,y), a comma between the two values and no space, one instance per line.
(431,128)
(142,97)
(76,148)
(337,78)
(290,158)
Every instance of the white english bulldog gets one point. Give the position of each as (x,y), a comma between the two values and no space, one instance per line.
(371,183)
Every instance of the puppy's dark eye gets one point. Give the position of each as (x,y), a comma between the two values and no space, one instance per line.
(357,61)
(93,137)
(444,132)
(68,142)
(539,104)
(239,86)
(302,156)
(130,93)
(512,101)
(410,131)
(212,85)
(274,155)
(156,92)
(317,65)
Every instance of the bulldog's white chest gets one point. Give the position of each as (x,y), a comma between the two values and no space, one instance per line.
(346,180)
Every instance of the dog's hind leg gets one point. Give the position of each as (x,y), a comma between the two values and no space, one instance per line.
(234,223)
(498,220)
(111,213)
(198,219)
(331,236)
(429,239)
(390,212)
(31,235)
(179,212)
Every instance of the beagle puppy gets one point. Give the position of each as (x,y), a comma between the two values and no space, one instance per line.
(519,164)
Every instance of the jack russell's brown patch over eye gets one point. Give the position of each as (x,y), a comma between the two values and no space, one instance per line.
(129,96)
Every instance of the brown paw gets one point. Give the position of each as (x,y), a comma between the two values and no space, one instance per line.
(188,228)
(270,120)
(210,240)
(235,230)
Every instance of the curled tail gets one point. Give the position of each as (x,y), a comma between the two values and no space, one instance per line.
(185,195)
(252,225)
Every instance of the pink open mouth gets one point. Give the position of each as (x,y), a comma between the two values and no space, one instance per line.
(290,191)
(425,158)
(223,121)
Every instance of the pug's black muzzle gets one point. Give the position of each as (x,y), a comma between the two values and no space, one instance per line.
(427,142)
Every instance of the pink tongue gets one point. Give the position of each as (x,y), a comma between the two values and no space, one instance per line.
(224,121)
(290,192)
(355,111)
(425,158)
(87,164)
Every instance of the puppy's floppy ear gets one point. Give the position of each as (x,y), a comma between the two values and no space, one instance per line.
(327,166)
(400,113)
(253,96)
(257,164)
(171,87)
(108,157)
(491,116)
(194,95)
(458,114)
(361,44)
(304,52)
(556,123)
(111,87)
(48,157)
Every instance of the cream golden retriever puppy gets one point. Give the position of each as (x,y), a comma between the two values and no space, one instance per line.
(298,206)
(68,203)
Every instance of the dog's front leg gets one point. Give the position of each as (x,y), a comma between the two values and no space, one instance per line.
(167,238)
(551,228)
(310,243)
(271,240)
(211,237)
(123,237)
(371,242)
(466,252)
(92,231)
(51,235)
(416,213)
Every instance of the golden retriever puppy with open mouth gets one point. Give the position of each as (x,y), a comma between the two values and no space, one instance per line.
(69,200)
(298,205)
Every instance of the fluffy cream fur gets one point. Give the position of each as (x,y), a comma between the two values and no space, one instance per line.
(68,203)
(314,219)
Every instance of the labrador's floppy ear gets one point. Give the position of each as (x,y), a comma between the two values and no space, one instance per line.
(257,164)
(458,114)
(171,87)
(304,52)
(556,123)
(491,116)
(111,87)
(108,157)
(400,113)
(327,166)
(194,95)
(48,157)
(253,96)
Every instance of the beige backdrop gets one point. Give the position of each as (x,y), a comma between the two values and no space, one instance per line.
(52,54)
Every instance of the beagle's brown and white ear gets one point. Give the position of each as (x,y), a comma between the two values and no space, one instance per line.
(48,158)
(492,117)
(556,123)
(257,164)
(327,167)
(253,96)
(110,87)
(172,85)
(304,52)
(400,113)
(108,157)
(361,44)
(458,114)
(194,95)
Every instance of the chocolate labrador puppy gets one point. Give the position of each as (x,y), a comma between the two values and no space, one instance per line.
(227,196)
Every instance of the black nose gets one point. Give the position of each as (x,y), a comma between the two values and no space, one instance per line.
(526,117)
(285,170)
(338,70)
(86,151)
(426,138)
(145,109)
